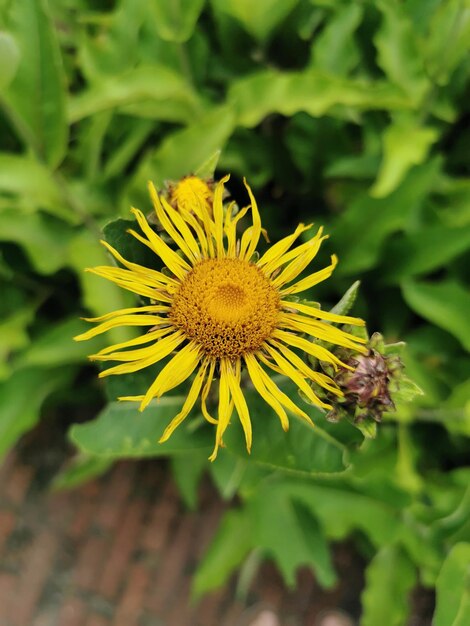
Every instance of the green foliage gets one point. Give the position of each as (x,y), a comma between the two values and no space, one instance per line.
(347,114)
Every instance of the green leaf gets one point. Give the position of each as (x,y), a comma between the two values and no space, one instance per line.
(13,336)
(30,182)
(36,95)
(37,232)
(272,512)
(445,304)
(405,143)
(21,398)
(361,230)
(55,346)
(171,97)
(175,20)
(121,431)
(187,472)
(347,301)
(398,53)
(389,579)
(9,59)
(80,470)
(453,588)
(303,449)
(425,250)
(116,234)
(229,547)
(99,296)
(450,23)
(258,18)
(270,91)
(334,49)
(207,169)
(183,151)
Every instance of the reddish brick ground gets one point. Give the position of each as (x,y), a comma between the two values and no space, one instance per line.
(121,550)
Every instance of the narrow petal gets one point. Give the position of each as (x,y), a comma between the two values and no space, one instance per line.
(140,270)
(224,412)
(256,232)
(134,355)
(205,393)
(320,353)
(323,315)
(175,263)
(151,308)
(151,335)
(132,284)
(318,377)
(124,320)
(181,366)
(313,279)
(174,226)
(191,398)
(275,252)
(297,265)
(218,209)
(256,374)
(291,372)
(161,349)
(322,331)
(240,402)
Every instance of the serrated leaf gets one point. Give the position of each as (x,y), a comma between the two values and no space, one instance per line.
(171,96)
(407,390)
(175,21)
(229,547)
(446,304)
(260,18)
(398,53)
(121,431)
(405,143)
(347,301)
(270,91)
(389,579)
(453,588)
(37,91)
(334,49)
(305,544)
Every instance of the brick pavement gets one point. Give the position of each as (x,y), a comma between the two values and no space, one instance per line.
(121,550)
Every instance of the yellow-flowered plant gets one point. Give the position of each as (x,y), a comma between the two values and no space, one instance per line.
(222,312)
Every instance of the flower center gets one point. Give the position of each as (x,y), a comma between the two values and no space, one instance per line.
(228,306)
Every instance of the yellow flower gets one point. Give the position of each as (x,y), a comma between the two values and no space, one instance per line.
(192,194)
(222,311)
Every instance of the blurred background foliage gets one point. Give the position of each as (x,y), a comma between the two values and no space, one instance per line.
(350,114)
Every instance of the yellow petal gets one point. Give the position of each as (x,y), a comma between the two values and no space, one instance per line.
(289,370)
(297,265)
(151,308)
(240,402)
(323,315)
(313,279)
(275,252)
(124,320)
(159,351)
(224,412)
(205,393)
(309,347)
(256,374)
(181,366)
(174,263)
(256,232)
(322,331)
(191,398)
(218,209)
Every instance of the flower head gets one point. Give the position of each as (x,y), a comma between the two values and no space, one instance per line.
(191,194)
(223,313)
